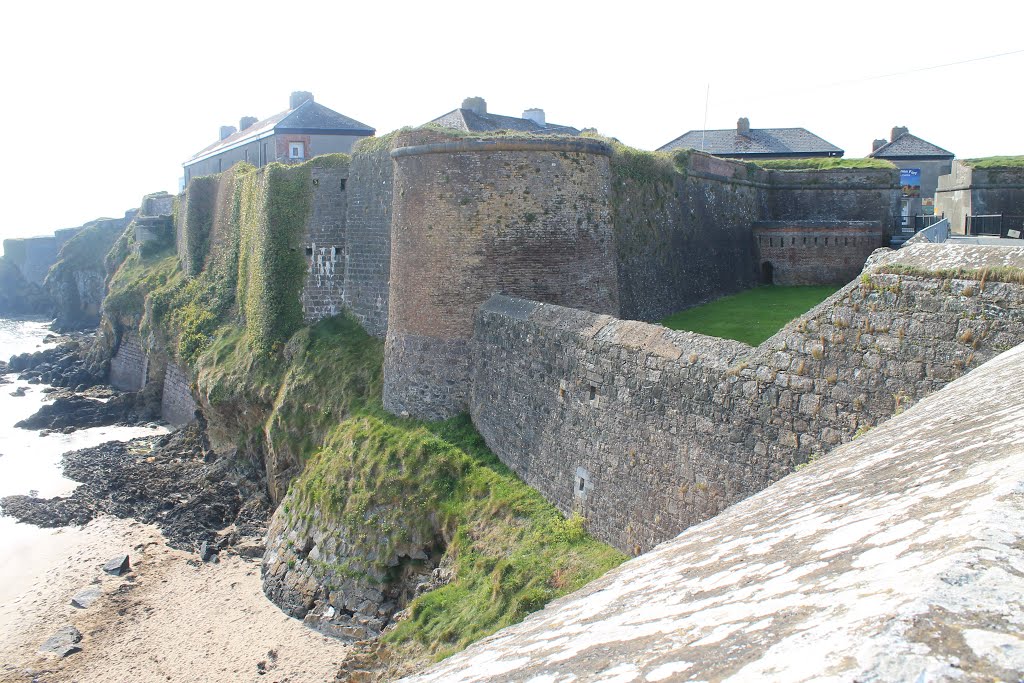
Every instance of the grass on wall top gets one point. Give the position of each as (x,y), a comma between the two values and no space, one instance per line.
(996,162)
(821,163)
(751,316)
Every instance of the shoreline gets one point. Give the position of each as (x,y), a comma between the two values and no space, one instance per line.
(172,618)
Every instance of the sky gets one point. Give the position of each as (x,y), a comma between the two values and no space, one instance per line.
(103,101)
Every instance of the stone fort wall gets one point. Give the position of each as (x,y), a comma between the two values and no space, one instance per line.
(682,230)
(861,194)
(531,218)
(324,242)
(646,431)
(814,252)
(368,236)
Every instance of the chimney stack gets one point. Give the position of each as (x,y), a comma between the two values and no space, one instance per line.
(879,144)
(299,97)
(743,127)
(227,131)
(477,105)
(246,122)
(535,115)
(898,131)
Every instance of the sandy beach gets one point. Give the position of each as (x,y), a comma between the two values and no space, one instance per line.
(172,618)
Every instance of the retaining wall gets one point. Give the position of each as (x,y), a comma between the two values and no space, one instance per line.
(129,365)
(177,406)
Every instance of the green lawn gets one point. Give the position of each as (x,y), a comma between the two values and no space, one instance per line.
(751,316)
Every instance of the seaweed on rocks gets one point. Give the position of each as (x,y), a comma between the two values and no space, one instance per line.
(174,481)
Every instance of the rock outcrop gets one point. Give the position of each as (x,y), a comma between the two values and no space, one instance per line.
(18,296)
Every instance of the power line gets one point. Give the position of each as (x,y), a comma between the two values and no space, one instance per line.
(930,68)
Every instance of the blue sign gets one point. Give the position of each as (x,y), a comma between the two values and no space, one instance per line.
(910,181)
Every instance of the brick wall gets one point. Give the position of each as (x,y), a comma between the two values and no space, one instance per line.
(814,252)
(664,429)
(177,406)
(129,365)
(471,218)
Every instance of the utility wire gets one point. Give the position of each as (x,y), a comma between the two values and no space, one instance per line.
(927,68)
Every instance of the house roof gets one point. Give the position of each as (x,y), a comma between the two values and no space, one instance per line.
(760,142)
(308,118)
(908,146)
(471,121)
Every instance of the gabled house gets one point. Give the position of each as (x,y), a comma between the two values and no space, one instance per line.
(302,131)
(473,117)
(920,163)
(752,144)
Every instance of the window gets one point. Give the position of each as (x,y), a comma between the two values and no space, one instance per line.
(296,150)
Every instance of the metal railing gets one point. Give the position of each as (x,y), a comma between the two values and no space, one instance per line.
(915,224)
(995,225)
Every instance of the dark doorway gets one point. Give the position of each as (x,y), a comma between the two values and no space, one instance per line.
(767,273)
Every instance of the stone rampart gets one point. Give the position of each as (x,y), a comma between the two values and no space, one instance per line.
(682,230)
(814,252)
(325,242)
(177,406)
(368,239)
(473,217)
(646,431)
(129,365)
(895,558)
(856,194)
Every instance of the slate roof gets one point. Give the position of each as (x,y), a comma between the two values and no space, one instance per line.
(761,142)
(310,117)
(908,146)
(470,121)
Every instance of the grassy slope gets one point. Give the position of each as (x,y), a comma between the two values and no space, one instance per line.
(751,316)
(818,163)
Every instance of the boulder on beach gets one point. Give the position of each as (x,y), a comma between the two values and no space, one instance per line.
(63,643)
(117,566)
(85,597)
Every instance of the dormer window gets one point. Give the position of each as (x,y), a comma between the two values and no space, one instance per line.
(296,150)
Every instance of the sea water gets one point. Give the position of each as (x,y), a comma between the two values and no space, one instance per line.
(30,464)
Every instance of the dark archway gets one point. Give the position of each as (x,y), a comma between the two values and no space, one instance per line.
(767,273)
